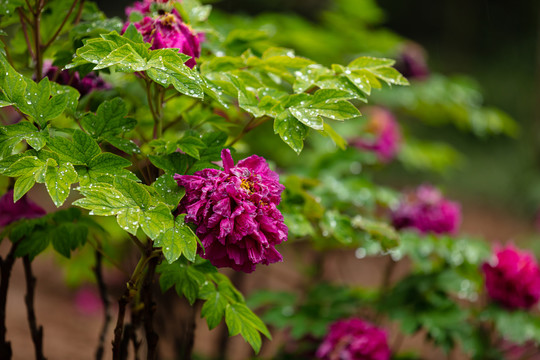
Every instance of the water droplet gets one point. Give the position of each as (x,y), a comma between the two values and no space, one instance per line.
(360,253)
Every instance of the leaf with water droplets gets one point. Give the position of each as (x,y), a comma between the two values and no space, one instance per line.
(292,131)
(58,180)
(22,185)
(12,135)
(155,220)
(129,219)
(169,190)
(178,240)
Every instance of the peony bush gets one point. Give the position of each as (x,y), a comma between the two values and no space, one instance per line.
(204,145)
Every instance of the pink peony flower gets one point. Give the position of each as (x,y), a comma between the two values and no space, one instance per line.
(512,278)
(384,128)
(354,339)
(168,31)
(427,211)
(22,209)
(85,85)
(235,212)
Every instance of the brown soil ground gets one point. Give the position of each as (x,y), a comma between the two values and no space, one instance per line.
(69,334)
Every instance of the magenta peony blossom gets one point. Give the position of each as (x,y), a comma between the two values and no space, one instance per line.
(354,339)
(513,278)
(427,211)
(168,31)
(22,209)
(235,212)
(384,128)
(85,85)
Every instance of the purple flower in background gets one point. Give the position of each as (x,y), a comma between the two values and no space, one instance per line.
(512,278)
(354,339)
(235,212)
(385,132)
(427,211)
(411,63)
(88,301)
(22,209)
(85,85)
(166,31)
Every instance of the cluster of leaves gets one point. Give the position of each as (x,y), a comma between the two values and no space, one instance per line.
(66,230)
(199,280)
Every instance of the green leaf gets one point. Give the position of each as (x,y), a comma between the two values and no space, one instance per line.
(23,185)
(135,193)
(33,244)
(32,99)
(177,240)
(67,237)
(213,309)
(25,165)
(105,166)
(367,62)
(292,131)
(186,279)
(12,135)
(384,233)
(241,320)
(338,140)
(169,190)
(58,180)
(191,146)
(325,103)
(156,220)
(174,163)
(129,219)
(79,152)
(110,119)
(102,200)
(168,69)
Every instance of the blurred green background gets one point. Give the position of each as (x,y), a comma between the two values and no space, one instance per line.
(493,43)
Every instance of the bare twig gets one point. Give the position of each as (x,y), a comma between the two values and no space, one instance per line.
(251,124)
(5,267)
(79,13)
(35,330)
(149,310)
(98,271)
(37,40)
(25,33)
(57,32)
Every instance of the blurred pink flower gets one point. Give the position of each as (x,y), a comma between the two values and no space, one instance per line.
(412,63)
(166,31)
(88,301)
(385,132)
(22,209)
(512,278)
(354,339)
(427,211)
(235,212)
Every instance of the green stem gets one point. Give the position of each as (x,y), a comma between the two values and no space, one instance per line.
(37,40)
(55,35)
(154,110)
(25,33)
(251,124)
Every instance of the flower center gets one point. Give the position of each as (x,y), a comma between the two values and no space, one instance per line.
(248,185)
(168,19)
